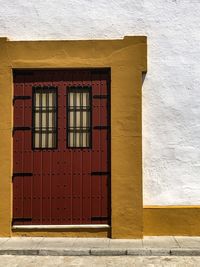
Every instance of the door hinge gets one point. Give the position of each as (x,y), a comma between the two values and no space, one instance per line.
(99,173)
(20,97)
(21,128)
(99,218)
(14,220)
(101,127)
(21,174)
(100,96)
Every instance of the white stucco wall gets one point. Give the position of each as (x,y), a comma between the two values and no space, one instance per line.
(171,91)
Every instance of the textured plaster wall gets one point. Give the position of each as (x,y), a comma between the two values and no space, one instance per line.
(171,90)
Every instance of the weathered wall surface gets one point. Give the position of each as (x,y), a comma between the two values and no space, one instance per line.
(171,91)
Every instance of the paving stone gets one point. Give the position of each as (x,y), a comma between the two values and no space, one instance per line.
(3,240)
(139,252)
(188,241)
(159,242)
(160,252)
(91,243)
(55,243)
(21,243)
(63,252)
(19,252)
(185,252)
(125,243)
(108,252)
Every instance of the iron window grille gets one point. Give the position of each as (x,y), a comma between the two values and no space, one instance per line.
(44,130)
(79,117)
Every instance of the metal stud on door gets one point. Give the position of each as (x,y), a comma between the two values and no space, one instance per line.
(61,143)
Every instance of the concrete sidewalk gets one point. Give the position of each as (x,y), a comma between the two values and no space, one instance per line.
(149,246)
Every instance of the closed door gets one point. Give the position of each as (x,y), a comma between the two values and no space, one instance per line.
(61,147)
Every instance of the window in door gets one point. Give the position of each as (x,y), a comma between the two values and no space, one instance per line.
(44,117)
(79,117)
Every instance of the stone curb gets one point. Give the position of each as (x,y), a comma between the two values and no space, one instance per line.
(139,252)
(64,252)
(19,252)
(108,252)
(104,252)
(185,252)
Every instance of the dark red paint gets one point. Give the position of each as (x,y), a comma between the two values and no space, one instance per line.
(61,189)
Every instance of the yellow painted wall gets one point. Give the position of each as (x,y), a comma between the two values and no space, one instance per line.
(172,220)
(95,233)
(127,59)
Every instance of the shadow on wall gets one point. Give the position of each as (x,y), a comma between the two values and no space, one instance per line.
(143,76)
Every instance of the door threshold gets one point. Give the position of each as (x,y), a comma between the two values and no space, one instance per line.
(75,226)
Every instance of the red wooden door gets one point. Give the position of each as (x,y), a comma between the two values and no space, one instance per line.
(61,147)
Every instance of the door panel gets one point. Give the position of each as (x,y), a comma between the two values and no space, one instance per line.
(66,183)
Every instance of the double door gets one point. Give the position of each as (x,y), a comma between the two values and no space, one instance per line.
(61,147)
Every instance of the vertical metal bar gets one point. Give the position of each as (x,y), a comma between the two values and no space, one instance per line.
(87,119)
(40,117)
(74,118)
(54,119)
(81,120)
(47,119)
(90,117)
